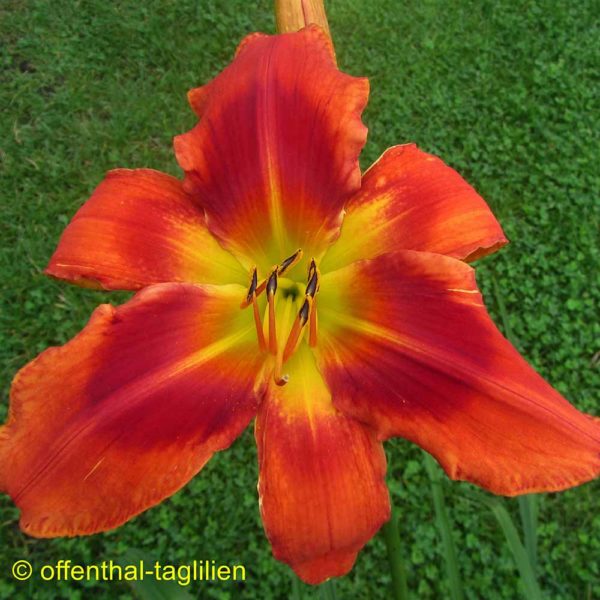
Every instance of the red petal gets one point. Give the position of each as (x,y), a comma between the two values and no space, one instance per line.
(275,156)
(128,411)
(138,228)
(407,346)
(321,486)
(411,200)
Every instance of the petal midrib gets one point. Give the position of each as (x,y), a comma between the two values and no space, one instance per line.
(444,359)
(135,390)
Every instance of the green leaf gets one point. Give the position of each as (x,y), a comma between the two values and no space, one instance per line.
(520,556)
(391,536)
(445,528)
(528,507)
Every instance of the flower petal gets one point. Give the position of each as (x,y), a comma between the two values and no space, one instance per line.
(406,346)
(275,156)
(321,486)
(411,200)
(129,410)
(139,227)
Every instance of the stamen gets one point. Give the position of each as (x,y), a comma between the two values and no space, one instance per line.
(271,289)
(311,267)
(272,281)
(313,284)
(251,290)
(261,287)
(253,283)
(289,262)
(297,328)
(306,314)
(304,311)
(312,329)
(282,268)
(311,289)
(251,299)
(262,344)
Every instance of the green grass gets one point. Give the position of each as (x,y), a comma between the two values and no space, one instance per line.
(504,91)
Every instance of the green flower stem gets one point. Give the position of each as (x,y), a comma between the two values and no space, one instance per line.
(391,535)
(443,524)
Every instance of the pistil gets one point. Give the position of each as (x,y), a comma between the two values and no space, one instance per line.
(278,376)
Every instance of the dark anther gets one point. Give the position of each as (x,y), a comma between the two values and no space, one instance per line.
(253,285)
(272,283)
(312,267)
(288,262)
(311,288)
(304,312)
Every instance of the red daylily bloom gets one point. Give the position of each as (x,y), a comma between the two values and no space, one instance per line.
(361,321)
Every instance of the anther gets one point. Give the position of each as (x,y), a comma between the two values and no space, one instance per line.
(258,288)
(251,299)
(311,268)
(297,327)
(289,262)
(311,289)
(313,284)
(304,312)
(252,288)
(271,289)
(272,281)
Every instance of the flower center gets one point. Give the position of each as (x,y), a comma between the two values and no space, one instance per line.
(303,295)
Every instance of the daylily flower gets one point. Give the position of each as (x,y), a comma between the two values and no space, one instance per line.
(277,285)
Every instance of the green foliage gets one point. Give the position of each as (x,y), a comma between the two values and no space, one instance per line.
(444,526)
(506,92)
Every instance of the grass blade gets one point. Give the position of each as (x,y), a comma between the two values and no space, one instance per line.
(327,590)
(443,523)
(391,535)
(296,589)
(520,555)
(528,508)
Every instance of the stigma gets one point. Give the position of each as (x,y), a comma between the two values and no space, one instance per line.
(301,295)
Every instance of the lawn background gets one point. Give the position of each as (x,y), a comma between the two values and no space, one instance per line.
(506,92)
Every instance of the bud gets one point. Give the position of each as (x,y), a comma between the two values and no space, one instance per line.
(292,15)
